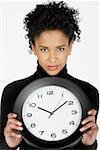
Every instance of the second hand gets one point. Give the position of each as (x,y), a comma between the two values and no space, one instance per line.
(56,106)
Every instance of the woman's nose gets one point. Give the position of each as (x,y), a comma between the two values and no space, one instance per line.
(52,56)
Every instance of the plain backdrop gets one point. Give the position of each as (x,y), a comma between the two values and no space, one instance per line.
(15,61)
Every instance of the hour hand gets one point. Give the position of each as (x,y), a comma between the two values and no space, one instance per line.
(45,110)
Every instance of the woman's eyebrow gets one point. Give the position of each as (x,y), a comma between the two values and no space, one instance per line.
(43,46)
(61,45)
(56,46)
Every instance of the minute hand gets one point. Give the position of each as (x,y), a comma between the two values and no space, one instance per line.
(59,107)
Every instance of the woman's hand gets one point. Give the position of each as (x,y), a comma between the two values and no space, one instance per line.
(11,131)
(90,128)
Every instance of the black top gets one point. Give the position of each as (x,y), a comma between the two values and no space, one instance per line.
(12,90)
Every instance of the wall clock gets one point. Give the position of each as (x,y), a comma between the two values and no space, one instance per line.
(51,110)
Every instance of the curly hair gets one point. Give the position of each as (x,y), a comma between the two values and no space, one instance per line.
(52,16)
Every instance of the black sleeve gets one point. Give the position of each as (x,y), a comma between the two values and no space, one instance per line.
(8,98)
(81,146)
(93,95)
(7,101)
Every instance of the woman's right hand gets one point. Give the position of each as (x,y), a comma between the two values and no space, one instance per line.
(13,125)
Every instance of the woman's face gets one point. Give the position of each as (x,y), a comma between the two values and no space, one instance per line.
(52,49)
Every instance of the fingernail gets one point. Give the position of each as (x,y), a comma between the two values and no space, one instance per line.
(94,114)
(82,129)
(89,113)
(15,115)
(19,123)
(83,122)
(20,128)
(18,135)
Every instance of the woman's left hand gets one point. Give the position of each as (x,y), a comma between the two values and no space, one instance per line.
(90,128)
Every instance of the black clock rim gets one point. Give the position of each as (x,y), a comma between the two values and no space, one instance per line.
(65,83)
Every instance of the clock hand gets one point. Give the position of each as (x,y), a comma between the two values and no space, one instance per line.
(57,108)
(57,104)
(60,106)
(45,110)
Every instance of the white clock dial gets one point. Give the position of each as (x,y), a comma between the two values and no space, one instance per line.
(52,113)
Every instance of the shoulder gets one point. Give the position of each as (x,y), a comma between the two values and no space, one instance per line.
(83,84)
(16,86)
(10,93)
(89,90)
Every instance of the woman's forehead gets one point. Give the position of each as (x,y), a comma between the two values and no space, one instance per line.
(53,36)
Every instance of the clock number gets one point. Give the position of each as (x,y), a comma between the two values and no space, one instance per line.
(70,103)
(72,123)
(49,92)
(33,125)
(32,105)
(41,132)
(40,96)
(64,131)
(74,112)
(29,115)
(53,135)
(62,94)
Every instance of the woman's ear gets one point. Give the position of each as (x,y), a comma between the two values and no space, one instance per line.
(33,49)
(70,47)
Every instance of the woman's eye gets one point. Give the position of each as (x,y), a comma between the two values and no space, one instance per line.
(43,49)
(60,49)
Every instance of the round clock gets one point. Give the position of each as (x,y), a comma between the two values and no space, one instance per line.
(51,110)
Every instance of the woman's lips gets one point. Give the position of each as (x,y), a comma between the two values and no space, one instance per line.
(53,67)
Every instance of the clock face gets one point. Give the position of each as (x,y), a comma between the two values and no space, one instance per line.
(51,113)
(51,110)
